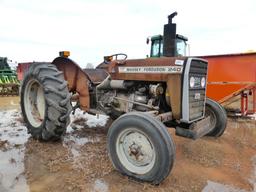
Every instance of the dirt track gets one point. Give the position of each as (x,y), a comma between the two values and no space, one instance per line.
(80,162)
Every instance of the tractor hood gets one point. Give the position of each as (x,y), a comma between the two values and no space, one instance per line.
(149,69)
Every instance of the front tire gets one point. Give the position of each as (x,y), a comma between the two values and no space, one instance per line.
(45,102)
(218,117)
(140,147)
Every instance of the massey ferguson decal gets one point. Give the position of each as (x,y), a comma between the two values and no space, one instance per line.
(153,69)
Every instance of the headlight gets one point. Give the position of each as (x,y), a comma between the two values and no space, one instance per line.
(192,82)
(203,82)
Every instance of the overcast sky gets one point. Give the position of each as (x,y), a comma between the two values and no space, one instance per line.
(35,30)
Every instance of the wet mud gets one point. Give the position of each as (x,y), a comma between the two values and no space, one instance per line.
(79,162)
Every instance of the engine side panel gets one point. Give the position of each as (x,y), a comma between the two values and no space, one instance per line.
(174,93)
(165,69)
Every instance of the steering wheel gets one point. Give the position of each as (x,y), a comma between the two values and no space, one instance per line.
(107,59)
(120,54)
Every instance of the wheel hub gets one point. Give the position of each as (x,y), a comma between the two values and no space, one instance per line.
(136,150)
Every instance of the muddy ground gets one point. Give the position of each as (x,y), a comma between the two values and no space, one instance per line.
(80,162)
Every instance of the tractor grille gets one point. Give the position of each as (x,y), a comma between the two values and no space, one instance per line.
(198,70)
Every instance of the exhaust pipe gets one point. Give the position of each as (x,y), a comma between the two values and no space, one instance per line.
(169,38)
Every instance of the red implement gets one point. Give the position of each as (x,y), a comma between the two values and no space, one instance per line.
(21,69)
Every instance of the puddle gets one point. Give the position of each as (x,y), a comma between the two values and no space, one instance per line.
(217,187)
(80,161)
(74,144)
(12,171)
(11,102)
(81,120)
(13,137)
(100,186)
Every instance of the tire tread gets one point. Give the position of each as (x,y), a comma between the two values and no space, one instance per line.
(57,99)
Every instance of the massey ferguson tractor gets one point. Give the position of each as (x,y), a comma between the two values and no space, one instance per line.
(143,96)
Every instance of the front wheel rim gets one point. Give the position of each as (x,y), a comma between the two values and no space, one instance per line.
(34,103)
(135,151)
(213,118)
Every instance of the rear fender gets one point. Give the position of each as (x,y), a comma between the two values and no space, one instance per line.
(77,80)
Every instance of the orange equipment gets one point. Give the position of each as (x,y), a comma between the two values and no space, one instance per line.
(231,75)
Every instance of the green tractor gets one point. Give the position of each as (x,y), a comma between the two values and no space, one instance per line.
(9,84)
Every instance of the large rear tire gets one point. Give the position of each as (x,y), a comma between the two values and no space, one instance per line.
(45,102)
(140,147)
(218,117)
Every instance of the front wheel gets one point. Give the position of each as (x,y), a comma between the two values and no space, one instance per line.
(141,147)
(45,102)
(218,118)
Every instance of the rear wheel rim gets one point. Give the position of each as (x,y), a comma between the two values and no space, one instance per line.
(34,103)
(135,151)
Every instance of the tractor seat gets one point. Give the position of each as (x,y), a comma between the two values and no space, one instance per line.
(96,76)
